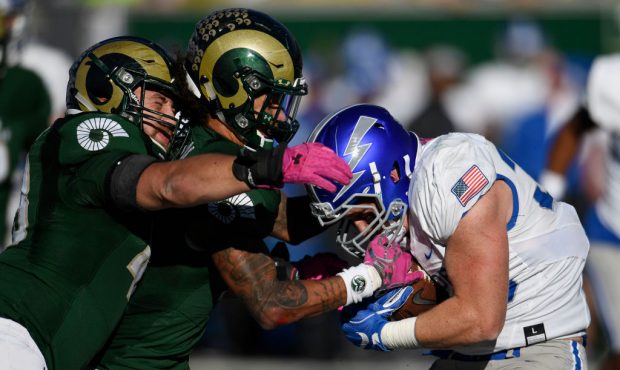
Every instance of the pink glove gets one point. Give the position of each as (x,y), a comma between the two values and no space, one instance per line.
(315,164)
(392,262)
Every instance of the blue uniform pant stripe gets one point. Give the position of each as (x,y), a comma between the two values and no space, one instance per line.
(575,347)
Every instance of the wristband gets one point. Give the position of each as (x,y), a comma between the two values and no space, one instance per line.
(259,168)
(400,334)
(361,282)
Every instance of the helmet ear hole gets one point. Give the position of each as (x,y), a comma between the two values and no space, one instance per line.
(395,174)
(98,87)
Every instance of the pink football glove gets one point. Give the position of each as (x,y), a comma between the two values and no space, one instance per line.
(392,262)
(315,164)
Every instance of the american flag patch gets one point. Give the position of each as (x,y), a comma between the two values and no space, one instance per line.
(469,185)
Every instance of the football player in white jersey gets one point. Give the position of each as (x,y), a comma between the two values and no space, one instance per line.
(510,255)
(603,221)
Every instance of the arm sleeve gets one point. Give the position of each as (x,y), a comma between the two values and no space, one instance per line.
(123,180)
(454,173)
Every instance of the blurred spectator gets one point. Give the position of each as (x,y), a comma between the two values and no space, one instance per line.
(497,92)
(104,21)
(534,129)
(311,110)
(603,221)
(50,63)
(520,99)
(374,73)
(445,66)
(24,109)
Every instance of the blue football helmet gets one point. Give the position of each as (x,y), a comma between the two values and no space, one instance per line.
(382,156)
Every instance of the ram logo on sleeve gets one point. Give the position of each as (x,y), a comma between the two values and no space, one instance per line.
(94,134)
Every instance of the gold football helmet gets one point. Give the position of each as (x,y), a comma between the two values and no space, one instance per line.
(237,55)
(105,78)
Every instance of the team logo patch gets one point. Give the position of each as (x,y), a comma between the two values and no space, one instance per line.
(470,184)
(358,283)
(94,134)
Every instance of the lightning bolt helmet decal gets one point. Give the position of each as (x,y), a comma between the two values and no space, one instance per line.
(356,150)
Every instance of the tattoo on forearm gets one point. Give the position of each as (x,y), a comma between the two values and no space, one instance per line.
(252,276)
(290,294)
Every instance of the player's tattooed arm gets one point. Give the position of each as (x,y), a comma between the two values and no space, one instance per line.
(252,276)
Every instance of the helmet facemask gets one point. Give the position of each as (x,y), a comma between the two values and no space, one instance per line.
(283,94)
(388,222)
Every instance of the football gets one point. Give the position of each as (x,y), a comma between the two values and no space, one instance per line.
(423,298)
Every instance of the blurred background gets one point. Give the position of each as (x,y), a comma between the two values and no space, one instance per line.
(512,70)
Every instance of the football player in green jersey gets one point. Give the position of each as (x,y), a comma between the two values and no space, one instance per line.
(248,70)
(25,108)
(82,229)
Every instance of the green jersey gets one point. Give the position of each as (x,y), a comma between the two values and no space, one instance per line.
(24,112)
(169,311)
(78,259)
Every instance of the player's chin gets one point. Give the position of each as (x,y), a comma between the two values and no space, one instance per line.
(161,140)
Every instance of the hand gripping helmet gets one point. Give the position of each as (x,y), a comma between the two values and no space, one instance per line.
(381,155)
(104,78)
(236,55)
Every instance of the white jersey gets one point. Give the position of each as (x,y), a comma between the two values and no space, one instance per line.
(547,244)
(604,107)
